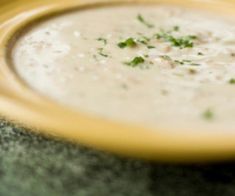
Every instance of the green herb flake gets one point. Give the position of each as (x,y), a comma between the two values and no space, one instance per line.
(101,52)
(179,62)
(208,115)
(150,47)
(130,42)
(181,42)
(136,61)
(146,56)
(186,62)
(143,21)
(100,39)
(143,39)
(183,62)
(232,81)
(166,57)
(195,64)
(176,28)
(200,54)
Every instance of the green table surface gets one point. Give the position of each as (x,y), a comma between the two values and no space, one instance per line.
(32,165)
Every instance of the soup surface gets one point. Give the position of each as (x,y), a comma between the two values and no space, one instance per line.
(155,65)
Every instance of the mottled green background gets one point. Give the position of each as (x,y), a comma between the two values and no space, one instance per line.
(31,165)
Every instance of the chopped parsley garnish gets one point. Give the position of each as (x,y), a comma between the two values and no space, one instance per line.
(179,62)
(195,64)
(176,28)
(182,62)
(208,115)
(166,36)
(102,40)
(130,42)
(101,52)
(136,61)
(232,81)
(181,42)
(143,39)
(143,21)
(146,56)
(187,62)
(200,54)
(166,57)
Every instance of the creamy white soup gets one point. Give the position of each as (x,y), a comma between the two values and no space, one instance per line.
(154,65)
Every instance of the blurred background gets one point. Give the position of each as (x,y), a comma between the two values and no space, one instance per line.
(32,165)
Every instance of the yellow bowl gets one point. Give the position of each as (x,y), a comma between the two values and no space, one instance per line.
(19,102)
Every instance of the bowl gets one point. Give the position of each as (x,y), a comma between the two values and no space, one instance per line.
(21,103)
